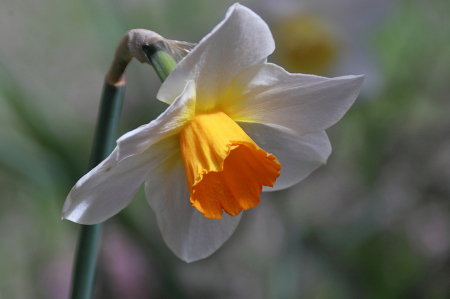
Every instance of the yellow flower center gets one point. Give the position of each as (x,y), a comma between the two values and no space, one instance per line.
(225,168)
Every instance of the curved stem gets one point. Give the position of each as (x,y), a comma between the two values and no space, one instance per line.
(104,142)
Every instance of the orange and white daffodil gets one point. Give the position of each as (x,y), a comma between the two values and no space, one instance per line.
(236,126)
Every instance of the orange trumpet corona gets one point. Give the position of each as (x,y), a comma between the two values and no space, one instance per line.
(225,168)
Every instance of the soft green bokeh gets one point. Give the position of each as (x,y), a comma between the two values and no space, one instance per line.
(373,223)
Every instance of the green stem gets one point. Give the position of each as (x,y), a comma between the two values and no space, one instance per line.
(104,141)
(161,61)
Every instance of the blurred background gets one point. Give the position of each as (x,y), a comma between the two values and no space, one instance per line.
(373,223)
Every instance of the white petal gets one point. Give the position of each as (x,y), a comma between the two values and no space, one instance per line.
(187,233)
(240,40)
(110,186)
(295,103)
(298,155)
(170,122)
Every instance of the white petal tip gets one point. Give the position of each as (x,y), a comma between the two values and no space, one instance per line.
(355,78)
(66,205)
(359,78)
(64,216)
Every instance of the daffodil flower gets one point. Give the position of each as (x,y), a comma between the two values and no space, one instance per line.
(236,126)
